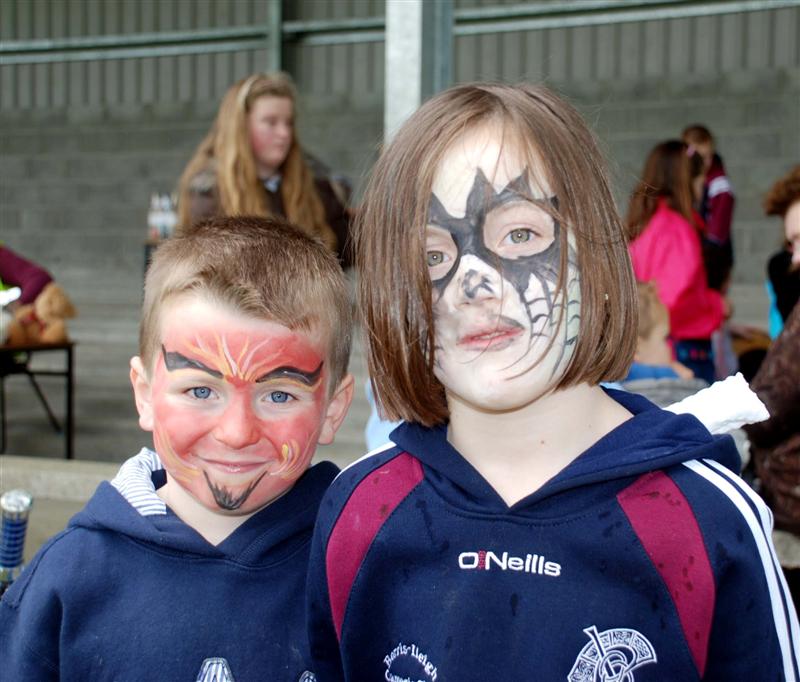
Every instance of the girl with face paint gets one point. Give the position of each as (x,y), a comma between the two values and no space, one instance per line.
(523,522)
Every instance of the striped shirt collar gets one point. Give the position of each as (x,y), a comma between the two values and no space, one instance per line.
(134,482)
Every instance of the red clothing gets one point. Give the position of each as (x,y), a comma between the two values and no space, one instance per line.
(718,203)
(668,253)
(16,271)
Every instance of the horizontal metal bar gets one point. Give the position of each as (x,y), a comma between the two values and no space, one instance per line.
(622,16)
(133,52)
(469,21)
(133,39)
(474,21)
(565,7)
(342,38)
(292,28)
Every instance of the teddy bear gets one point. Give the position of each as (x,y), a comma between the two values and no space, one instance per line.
(44,320)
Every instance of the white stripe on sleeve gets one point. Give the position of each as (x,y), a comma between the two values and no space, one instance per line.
(719,185)
(737,490)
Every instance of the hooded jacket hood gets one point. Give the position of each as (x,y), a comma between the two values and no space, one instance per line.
(652,439)
(276,528)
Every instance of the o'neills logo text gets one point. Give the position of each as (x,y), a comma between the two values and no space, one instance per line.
(487,561)
(406,663)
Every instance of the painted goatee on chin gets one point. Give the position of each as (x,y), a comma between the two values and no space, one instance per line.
(225,499)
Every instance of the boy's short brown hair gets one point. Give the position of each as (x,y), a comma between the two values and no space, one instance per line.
(651,309)
(395,288)
(261,267)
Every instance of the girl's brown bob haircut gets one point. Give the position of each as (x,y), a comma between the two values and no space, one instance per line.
(264,268)
(394,287)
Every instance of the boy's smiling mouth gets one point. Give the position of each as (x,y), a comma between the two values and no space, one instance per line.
(233,466)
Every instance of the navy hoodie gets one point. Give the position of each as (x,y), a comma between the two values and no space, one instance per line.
(122,596)
(645,559)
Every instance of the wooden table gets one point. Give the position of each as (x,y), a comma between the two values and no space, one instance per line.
(17,360)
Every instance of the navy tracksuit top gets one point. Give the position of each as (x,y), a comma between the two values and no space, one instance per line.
(647,558)
(121,596)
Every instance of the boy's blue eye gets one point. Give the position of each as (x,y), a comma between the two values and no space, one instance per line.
(201,392)
(279,397)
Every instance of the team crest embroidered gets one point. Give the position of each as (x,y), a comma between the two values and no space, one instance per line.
(215,670)
(307,676)
(611,656)
(406,662)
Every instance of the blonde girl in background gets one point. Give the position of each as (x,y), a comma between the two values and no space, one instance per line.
(251,163)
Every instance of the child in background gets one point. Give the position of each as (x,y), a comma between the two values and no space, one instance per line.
(526,523)
(653,356)
(654,374)
(191,563)
(716,207)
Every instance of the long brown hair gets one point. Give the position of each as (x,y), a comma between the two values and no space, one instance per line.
(395,287)
(667,174)
(227,152)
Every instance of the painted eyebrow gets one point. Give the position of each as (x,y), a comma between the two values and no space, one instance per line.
(293,373)
(174,361)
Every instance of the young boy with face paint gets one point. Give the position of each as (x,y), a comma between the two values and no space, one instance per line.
(525,523)
(191,563)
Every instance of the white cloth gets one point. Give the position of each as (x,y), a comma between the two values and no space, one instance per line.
(724,406)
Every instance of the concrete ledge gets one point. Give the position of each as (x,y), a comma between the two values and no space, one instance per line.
(55,479)
(59,487)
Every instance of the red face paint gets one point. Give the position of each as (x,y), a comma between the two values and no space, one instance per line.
(238,405)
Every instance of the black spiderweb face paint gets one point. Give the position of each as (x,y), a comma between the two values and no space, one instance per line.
(476,266)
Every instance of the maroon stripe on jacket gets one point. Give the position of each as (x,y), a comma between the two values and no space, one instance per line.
(664,522)
(369,506)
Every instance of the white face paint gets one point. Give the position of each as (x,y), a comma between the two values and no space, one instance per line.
(494,255)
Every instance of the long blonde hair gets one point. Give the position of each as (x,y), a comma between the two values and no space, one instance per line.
(226,151)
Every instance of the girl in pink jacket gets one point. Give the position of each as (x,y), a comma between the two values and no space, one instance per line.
(665,249)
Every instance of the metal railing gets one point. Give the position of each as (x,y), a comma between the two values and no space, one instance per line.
(468,21)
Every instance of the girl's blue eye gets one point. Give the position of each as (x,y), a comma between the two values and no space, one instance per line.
(201,392)
(280,397)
